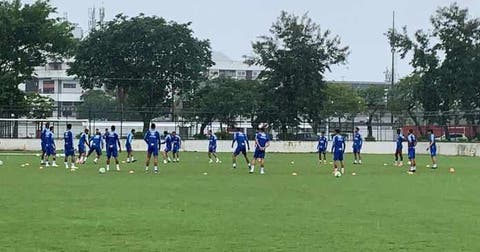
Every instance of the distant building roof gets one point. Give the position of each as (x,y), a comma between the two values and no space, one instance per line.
(223,62)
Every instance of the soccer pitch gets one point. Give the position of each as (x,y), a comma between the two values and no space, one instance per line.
(197,206)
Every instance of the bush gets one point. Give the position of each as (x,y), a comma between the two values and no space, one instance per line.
(138,135)
(370,139)
(199,137)
(223,135)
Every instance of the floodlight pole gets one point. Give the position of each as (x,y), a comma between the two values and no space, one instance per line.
(392,44)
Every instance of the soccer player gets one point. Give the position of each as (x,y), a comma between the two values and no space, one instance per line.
(168,147)
(176,144)
(113,147)
(338,149)
(105,135)
(399,148)
(43,141)
(152,138)
(128,146)
(96,144)
(261,144)
(212,147)
(412,142)
(322,148)
(433,148)
(50,148)
(82,151)
(68,147)
(242,145)
(357,146)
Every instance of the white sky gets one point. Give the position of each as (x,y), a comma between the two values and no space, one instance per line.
(231,26)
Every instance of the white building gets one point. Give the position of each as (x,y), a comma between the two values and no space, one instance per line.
(226,67)
(53,81)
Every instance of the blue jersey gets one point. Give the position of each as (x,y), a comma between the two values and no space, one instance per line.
(112,140)
(212,141)
(432,141)
(152,138)
(176,141)
(322,143)
(241,139)
(68,140)
(43,135)
(83,139)
(49,140)
(261,140)
(357,140)
(168,141)
(412,141)
(96,141)
(338,143)
(130,139)
(400,139)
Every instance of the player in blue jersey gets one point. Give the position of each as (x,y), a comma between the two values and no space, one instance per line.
(322,148)
(128,147)
(68,149)
(242,145)
(96,144)
(433,148)
(113,147)
(212,147)
(176,145)
(43,141)
(105,134)
(399,148)
(168,147)
(51,149)
(412,142)
(152,138)
(338,149)
(357,146)
(82,150)
(262,142)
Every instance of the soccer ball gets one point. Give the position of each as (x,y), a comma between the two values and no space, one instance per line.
(102,170)
(337,174)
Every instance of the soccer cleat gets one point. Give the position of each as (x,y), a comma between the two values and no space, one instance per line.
(217,161)
(343,171)
(262,171)
(359,161)
(434,166)
(47,164)
(54,165)
(74,167)
(108,168)
(165,161)
(95,161)
(251,170)
(118,168)
(210,161)
(155,171)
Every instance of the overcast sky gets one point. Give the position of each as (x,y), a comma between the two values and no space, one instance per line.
(231,26)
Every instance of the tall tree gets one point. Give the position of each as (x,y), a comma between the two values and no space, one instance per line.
(296,55)
(374,97)
(224,100)
(146,61)
(342,102)
(446,59)
(29,36)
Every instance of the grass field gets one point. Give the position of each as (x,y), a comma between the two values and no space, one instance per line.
(382,208)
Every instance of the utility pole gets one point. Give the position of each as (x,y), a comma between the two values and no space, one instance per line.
(392,44)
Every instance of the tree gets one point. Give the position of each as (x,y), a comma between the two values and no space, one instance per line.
(374,97)
(295,56)
(146,61)
(342,102)
(446,61)
(39,106)
(28,38)
(222,99)
(97,104)
(403,100)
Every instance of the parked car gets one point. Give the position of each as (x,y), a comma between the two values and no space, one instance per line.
(454,137)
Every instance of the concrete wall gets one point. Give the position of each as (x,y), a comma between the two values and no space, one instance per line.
(463,149)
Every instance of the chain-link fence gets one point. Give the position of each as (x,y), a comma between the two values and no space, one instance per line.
(191,124)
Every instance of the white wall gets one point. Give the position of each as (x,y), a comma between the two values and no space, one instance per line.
(464,149)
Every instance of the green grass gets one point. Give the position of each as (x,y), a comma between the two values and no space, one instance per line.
(181,209)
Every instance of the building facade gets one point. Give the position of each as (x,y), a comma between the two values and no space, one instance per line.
(228,68)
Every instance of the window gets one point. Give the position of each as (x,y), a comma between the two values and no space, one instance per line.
(48,86)
(69,85)
(55,66)
(241,73)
